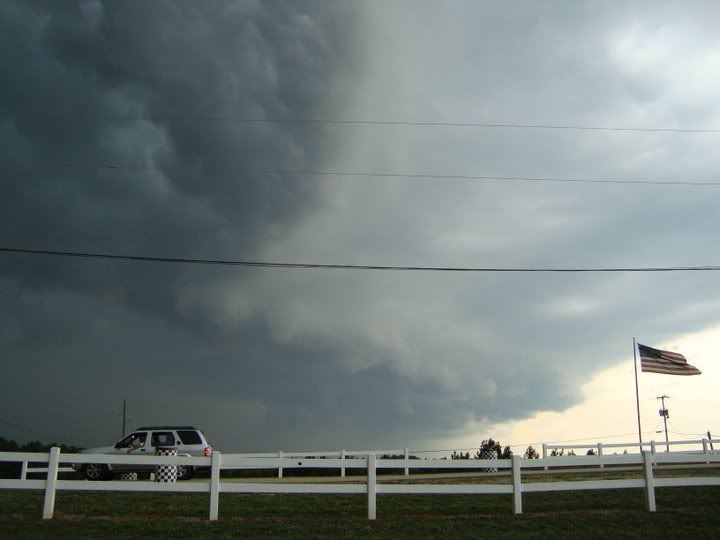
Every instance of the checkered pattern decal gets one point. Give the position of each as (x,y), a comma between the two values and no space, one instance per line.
(489,454)
(165,473)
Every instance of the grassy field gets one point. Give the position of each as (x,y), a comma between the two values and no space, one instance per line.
(682,512)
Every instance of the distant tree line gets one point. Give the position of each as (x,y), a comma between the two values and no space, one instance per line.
(9,445)
(12,470)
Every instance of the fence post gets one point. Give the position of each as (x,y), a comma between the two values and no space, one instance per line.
(280,469)
(407,456)
(23,471)
(371,486)
(342,458)
(649,482)
(215,465)
(517,485)
(544,453)
(52,474)
(600,454)
(705,449)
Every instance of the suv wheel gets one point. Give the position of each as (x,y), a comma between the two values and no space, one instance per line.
(96,471)
(185,472)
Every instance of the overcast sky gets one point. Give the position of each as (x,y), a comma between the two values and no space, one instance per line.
(300,359)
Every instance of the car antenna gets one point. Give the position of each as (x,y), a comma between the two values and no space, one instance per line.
(124,417)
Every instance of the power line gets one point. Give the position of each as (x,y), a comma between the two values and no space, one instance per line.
(681,433)
(429,176)
(358,122)
(322,266)
(597,437)
(423,176)
(687,434)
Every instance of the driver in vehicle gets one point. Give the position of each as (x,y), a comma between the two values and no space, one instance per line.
(137,441)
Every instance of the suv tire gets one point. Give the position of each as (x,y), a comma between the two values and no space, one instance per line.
(96,471)
(185,472)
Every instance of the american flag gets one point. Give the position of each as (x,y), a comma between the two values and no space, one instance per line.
(659,361)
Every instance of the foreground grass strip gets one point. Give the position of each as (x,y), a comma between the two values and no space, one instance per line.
(621,524)
(682,512)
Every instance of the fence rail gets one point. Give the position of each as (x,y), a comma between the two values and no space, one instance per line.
(371,463)
(547,448)
(27,469)
(706,444)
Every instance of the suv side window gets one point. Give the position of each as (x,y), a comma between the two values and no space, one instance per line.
(162,438)
(189,437)
(136,440)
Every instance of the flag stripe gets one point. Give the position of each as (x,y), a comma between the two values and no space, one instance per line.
(661,363)
(669,372)
(646,367)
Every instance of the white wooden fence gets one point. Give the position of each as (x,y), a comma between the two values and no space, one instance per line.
(28,469)
(341,454)
(371,463)
(705,446)
(599,448)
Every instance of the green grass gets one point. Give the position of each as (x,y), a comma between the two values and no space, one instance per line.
(682,512)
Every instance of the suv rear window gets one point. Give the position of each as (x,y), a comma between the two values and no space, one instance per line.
(189,437)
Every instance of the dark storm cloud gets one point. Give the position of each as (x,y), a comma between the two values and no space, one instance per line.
(95,59)
(94,83)
(268,359)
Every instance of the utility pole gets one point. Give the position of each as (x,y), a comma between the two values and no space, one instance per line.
(124,418)
(665,414)
(637,395)
(710,439)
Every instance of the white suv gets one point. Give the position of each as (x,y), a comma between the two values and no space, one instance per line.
(188,441)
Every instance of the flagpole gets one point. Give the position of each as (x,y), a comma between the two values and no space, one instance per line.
(637,394)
